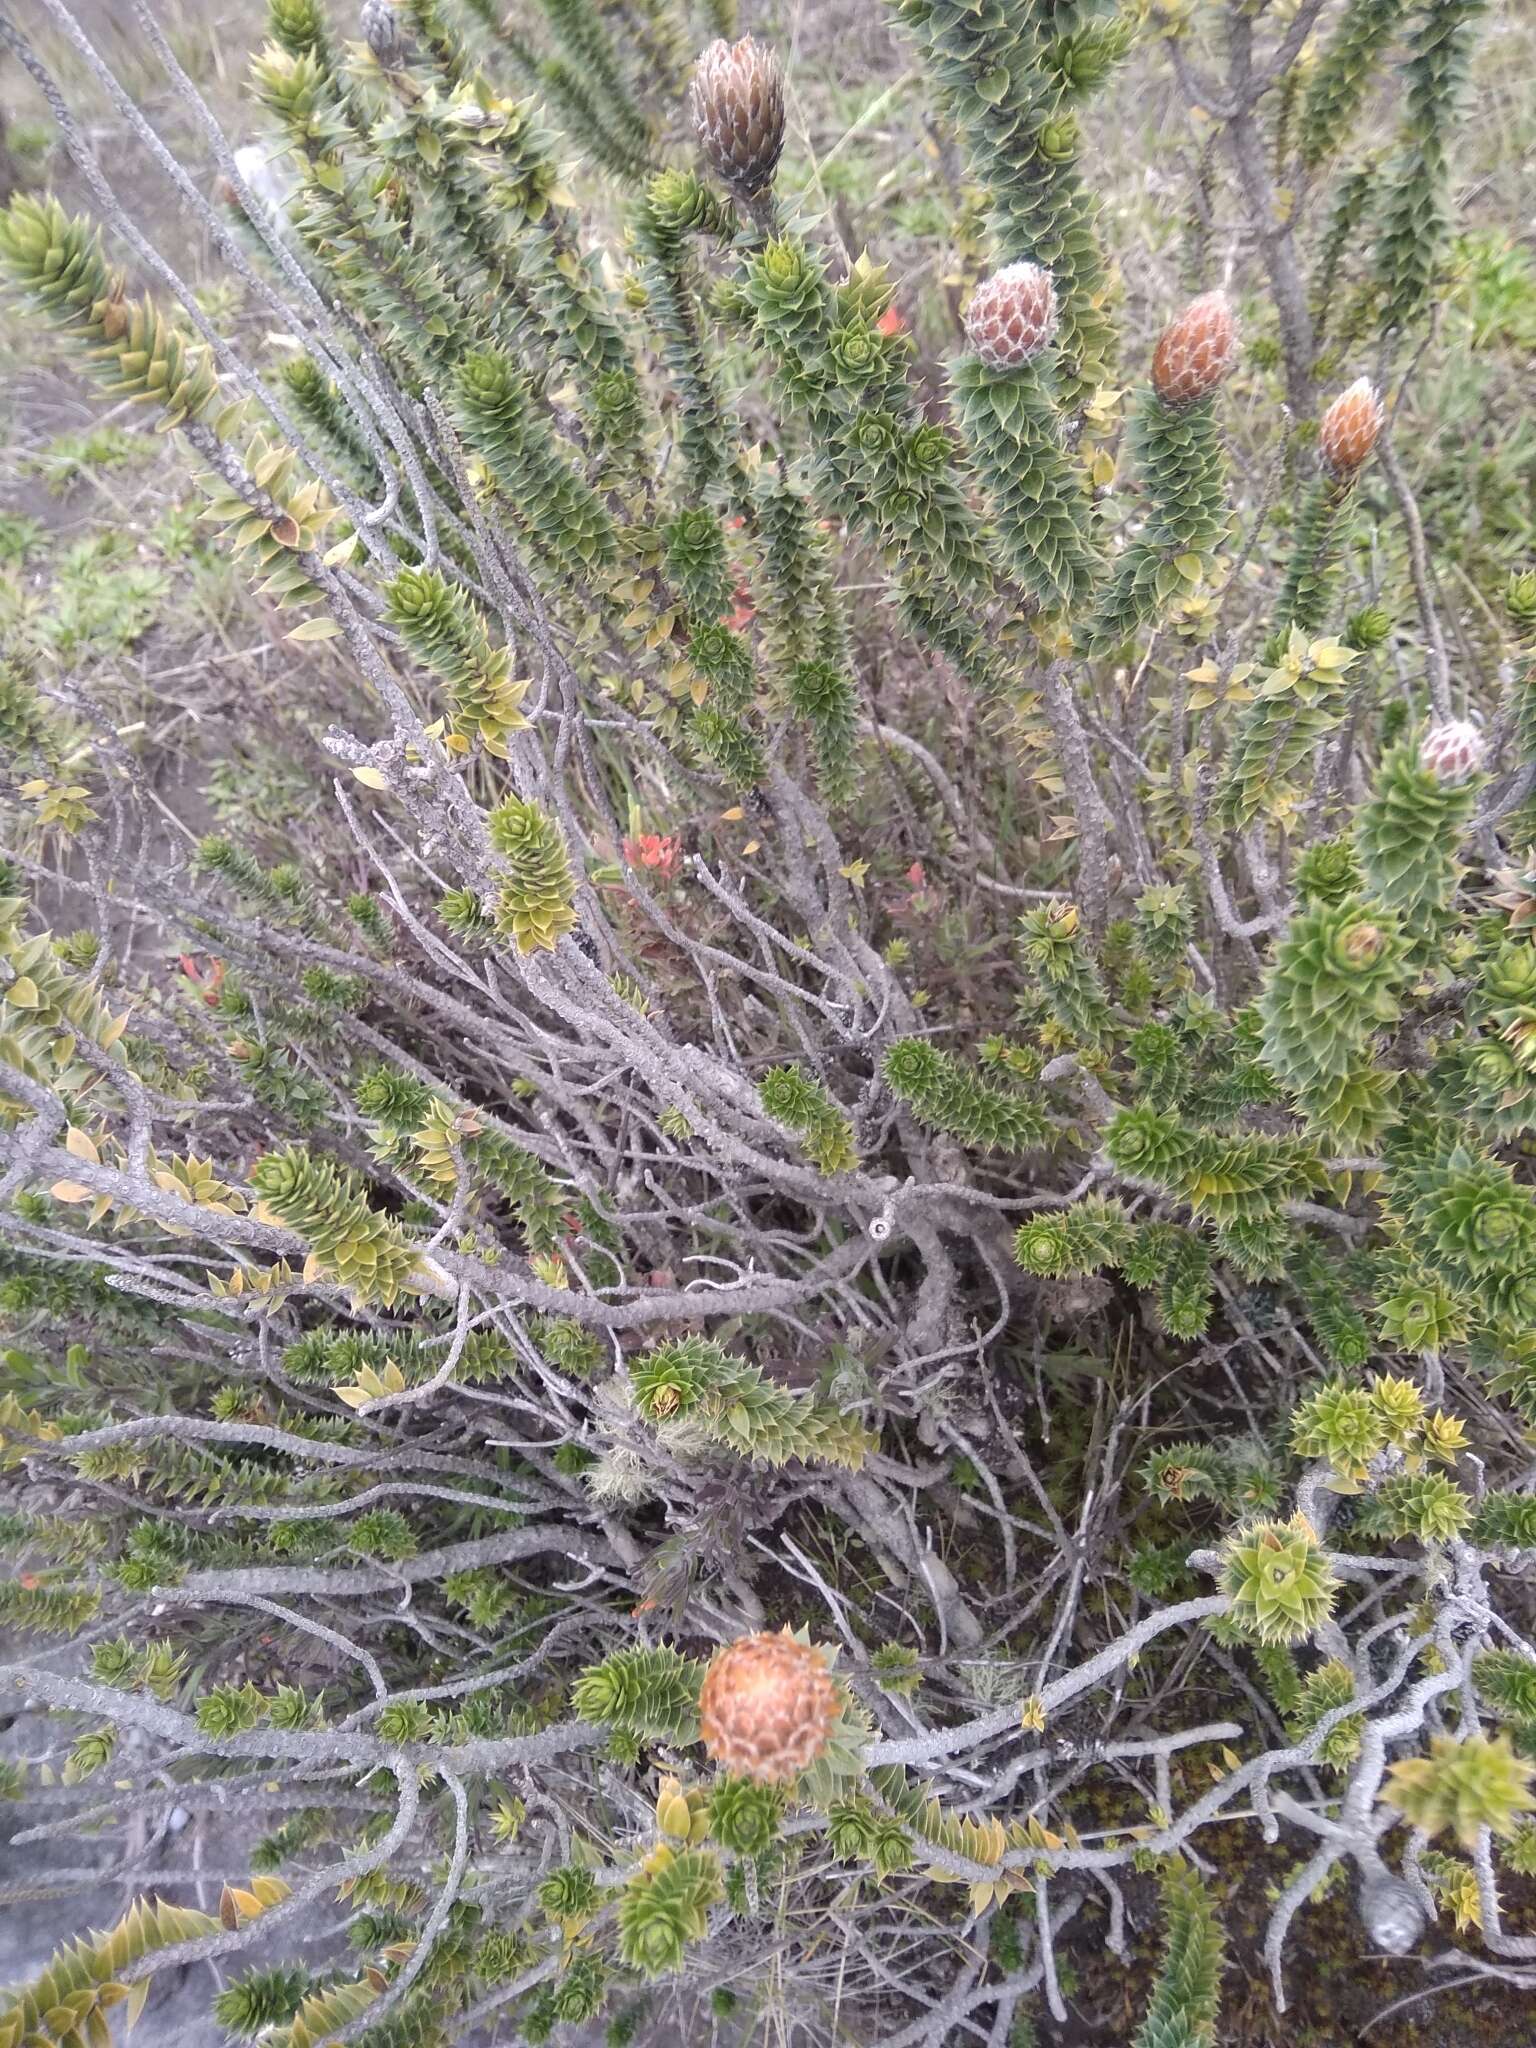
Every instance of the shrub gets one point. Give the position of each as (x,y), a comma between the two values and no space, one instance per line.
(700,1157)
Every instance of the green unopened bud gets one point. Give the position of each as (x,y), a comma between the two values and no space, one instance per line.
(299,26)
(1280,1583)
(1328,870)
(1520,597)
(1511,975)
(875,435)
(1492,1066)
(782,264)
(1498,1225)
(928,450)
(1367,628)
(853,351)
(898,509)
(677,199)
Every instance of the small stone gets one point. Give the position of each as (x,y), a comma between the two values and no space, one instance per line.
(1392,1914)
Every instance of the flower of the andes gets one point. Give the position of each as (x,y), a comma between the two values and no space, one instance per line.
(1452,752)
(1348,429)
(738,112)
(382,32)
(1012,316)
(1196,351)
(767,1707)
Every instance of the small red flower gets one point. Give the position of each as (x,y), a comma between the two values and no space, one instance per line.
(891,322)
(662,851)
(210,983)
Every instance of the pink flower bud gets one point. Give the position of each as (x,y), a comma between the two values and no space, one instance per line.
(1452,752)
(1012,316)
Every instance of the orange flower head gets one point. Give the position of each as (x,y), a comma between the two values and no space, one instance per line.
(1348,429)
(1195,355)
(767,1707)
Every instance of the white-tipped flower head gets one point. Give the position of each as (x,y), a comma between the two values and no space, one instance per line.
(1347,431)
(1452,752)
(1012,316)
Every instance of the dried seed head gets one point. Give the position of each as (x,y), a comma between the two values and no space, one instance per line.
(1362,945)
(1196,352)
(1452,752)
(738,112)
(1012,316)
(1348,430)
(382,32)
(1517,893)
(1391,1913)
(767,1707)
